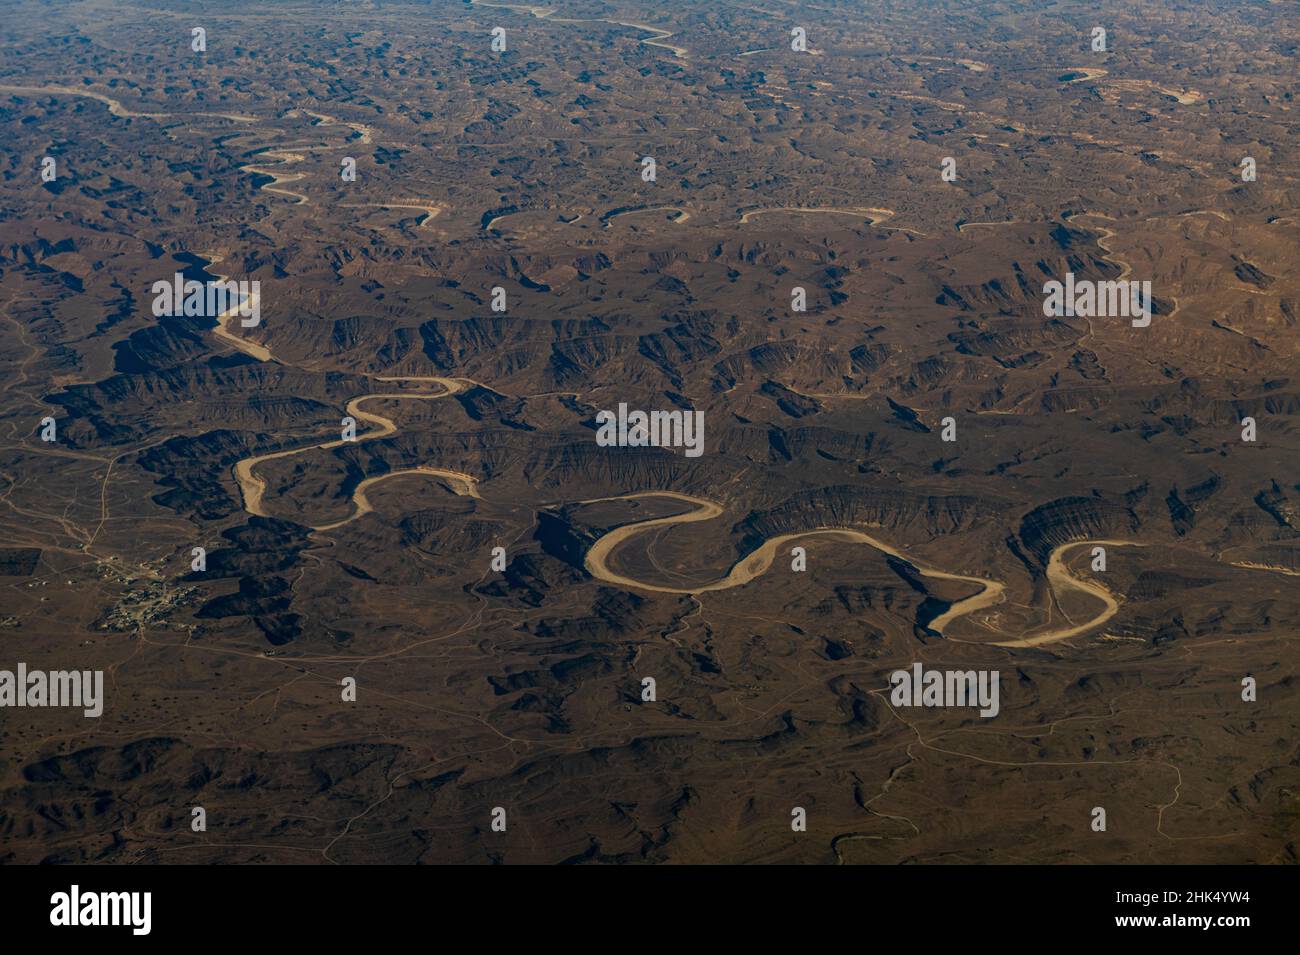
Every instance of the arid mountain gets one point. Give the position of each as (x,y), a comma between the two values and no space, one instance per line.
(375,565)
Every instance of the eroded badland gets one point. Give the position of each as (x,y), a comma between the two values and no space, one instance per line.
(456,606)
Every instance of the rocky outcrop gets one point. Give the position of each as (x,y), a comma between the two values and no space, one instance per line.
(901,512)
(1068,519)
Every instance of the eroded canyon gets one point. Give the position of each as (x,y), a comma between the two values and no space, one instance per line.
(498,584)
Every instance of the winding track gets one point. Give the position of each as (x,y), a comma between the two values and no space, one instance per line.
(748,568)
(1059,577)
(1104,244)
(367,133)
(875,216)
(115,106)
(548,13)
(745,570)
(222,331)
(753,565)
(254,488)
(281,157)
(431,210)
(681,215)
(759,561)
